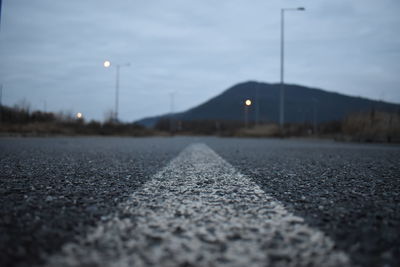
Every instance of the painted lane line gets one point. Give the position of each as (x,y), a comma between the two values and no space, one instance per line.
(199,211)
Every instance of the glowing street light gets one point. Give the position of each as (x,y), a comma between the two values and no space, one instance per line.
(107,64)
(247,104)
(282,91)
(79,115)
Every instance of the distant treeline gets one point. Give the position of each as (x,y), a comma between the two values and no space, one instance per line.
(18,120)
(236,128)
(372,126)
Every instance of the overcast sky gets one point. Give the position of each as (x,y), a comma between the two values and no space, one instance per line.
(52,50)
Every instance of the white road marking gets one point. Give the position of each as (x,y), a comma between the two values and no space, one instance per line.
(199,211)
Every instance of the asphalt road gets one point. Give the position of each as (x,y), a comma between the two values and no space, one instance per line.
(54,190)
(351,192)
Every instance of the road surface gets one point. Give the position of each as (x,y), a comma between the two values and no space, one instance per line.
(191,201)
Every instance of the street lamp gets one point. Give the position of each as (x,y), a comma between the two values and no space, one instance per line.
(107,64)
(247,104)
(282,91)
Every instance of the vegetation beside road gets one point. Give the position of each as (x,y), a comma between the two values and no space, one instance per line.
(21,121)
(372,126)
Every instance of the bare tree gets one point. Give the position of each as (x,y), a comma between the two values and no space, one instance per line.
(23,105)
(109,116)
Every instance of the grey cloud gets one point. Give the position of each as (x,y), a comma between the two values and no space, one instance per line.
(53,50)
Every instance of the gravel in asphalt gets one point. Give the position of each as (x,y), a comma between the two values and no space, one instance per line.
(351,192)
(199,211)
(53,189)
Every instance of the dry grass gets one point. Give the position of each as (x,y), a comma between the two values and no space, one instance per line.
(374,126)
(266,130)
(72,129)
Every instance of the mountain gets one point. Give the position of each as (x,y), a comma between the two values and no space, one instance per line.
(301,105)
